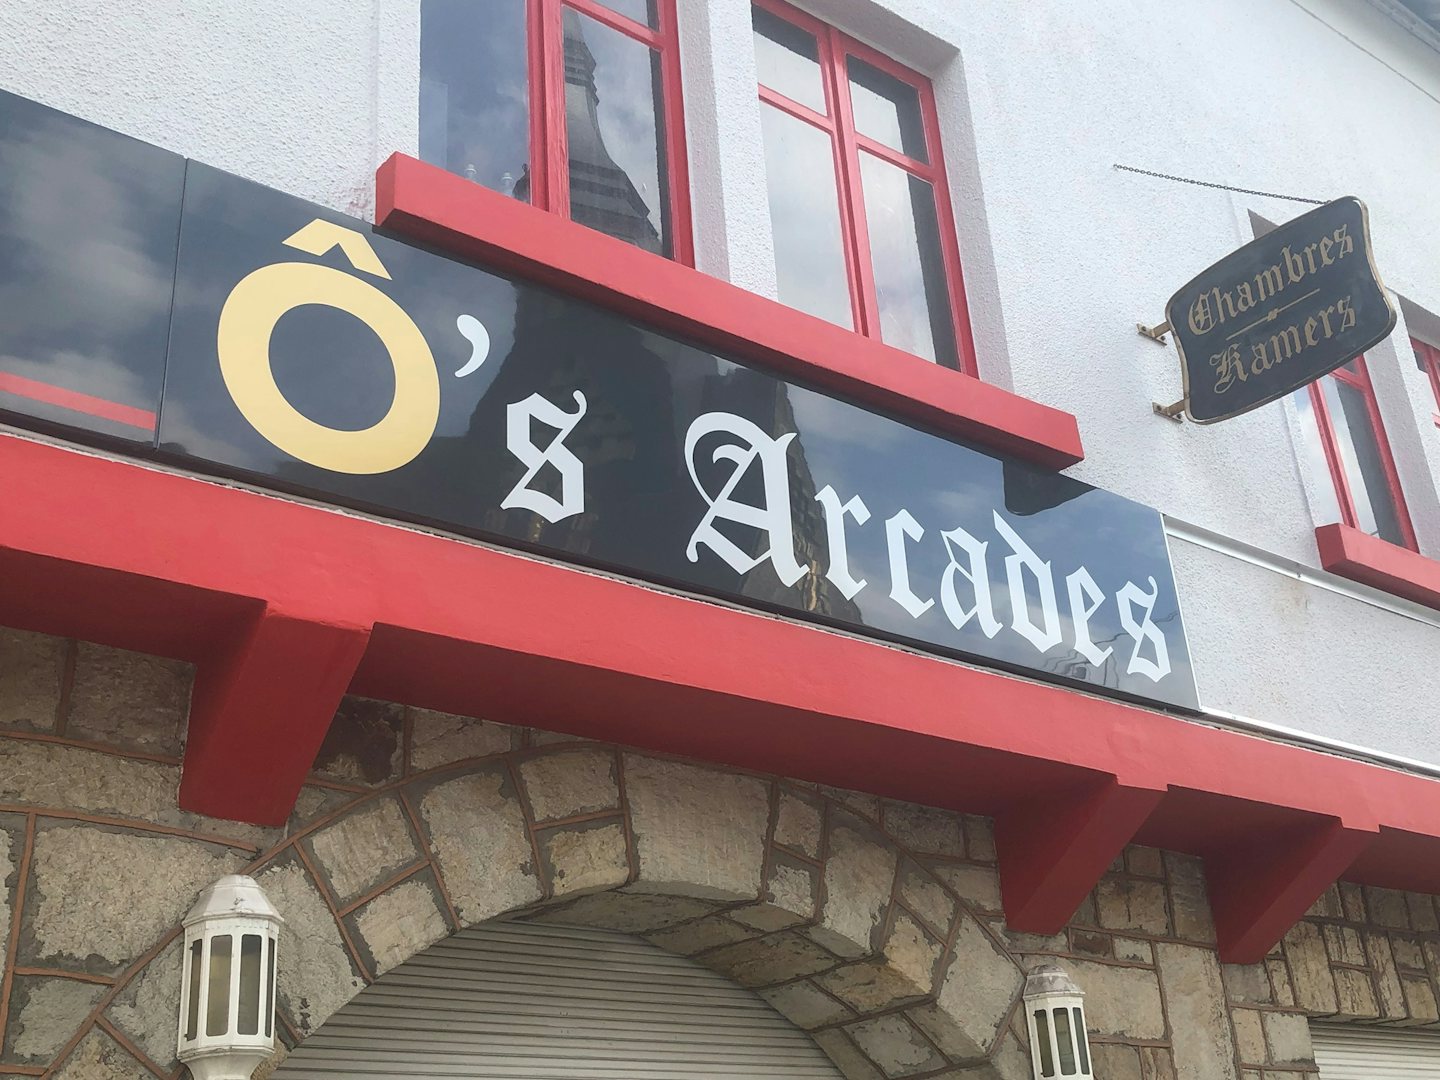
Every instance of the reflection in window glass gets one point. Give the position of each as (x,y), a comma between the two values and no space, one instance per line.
(788,60)
(1360,456)
(642,11)
(1064,1044)
(1317,465)
(474,93)
(614,124)
(1042,1036)
(192,1007)
(886,109)
(1080,1043)
(909,268)
(248,1022)
(217,1008)
(805,218)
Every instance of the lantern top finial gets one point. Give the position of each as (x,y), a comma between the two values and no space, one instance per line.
(232,895)
(1051,980)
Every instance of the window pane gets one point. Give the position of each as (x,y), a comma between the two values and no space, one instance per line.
(805,217)
(192,1007)
(474,94)
(614,122)
(1064,1044)
(1080,1042)
(1375,510)
(886,109)
(788,60)
(915,312)
(642,11)
(269,984)
(250,990)
(1042,1036)
(1314,461)
(217,1009)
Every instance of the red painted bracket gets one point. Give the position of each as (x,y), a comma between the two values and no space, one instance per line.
(437,207)
(1379,564)
(1053,850)
(1257,893)
(261,707)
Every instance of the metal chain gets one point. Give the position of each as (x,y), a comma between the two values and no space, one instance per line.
(1221,187)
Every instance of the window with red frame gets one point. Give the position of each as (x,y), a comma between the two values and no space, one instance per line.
(1346,434)
(572,105)
(1428,357)
(859,208)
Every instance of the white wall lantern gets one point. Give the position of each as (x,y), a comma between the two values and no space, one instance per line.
(1055,1013)
(227,998)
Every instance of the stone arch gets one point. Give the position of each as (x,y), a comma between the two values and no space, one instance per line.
(842,911)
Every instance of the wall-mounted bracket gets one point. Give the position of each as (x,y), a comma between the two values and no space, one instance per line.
(1155,333)
(1174,412)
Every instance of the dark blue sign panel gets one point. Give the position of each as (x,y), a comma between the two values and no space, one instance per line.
(89,220)
(1287,308)
(311,354)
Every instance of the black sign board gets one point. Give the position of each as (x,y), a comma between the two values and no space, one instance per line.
(309,353)
(1287,308)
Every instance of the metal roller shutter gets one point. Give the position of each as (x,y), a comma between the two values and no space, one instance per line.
(1360,1053)
(526,1002)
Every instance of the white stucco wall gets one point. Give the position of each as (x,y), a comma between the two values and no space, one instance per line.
(1063,253)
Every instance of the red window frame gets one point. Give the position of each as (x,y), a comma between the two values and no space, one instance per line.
(1359,380)
(549,149)
(1429,357)
(834,49)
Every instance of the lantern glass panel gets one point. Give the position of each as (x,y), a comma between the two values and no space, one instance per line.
(248,1022)
(1064,1042)
(269,987)
(1081,1043)
(192,1007)
(217,1014)
(1042,1036)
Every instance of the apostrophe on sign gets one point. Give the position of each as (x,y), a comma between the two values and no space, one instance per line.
(473,331)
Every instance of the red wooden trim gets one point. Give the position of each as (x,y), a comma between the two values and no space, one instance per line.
(797,110)
(262,704)
(1263,888)
(833,48)
(1430,359)
(75,401)
(854,222)
(539,116)
(1050,848)
(1360,381)
(677,153)
(551,79)
(1387,457)
(1326,428)
(1356,555)
(950,236)
(623,23)
(894,157)
(433,205)
(665,40)
(176,566)
(791,14)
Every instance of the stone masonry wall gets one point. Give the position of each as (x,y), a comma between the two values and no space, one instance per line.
(874,925)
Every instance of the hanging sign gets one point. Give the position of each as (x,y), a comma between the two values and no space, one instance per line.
(1287,308)
(308,353)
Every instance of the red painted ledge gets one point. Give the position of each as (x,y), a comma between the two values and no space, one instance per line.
(283,607)
(439,208)
(1379,564)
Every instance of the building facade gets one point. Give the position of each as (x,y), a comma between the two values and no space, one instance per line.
(558,661)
